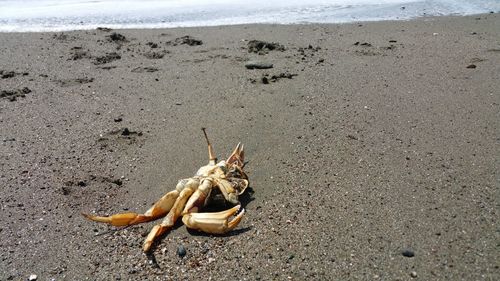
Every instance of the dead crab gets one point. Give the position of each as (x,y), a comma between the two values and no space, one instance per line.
(190,196)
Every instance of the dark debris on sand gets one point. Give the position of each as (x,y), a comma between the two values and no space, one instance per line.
(109,57)
(74,82)
(10,74)
(185,40)
(274,78)
(257,46)
(144,69)
(118,138)
(12,95)
(155,55)
(116,37)
(77,53)
(104,29)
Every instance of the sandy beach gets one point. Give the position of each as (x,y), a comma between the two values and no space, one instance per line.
(372,149)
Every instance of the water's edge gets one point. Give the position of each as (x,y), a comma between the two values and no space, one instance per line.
(79,15)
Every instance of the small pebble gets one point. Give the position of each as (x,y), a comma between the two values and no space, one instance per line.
(413,274)
(33,277)
(125,132)
(181,251)
(408,253)
(258,65)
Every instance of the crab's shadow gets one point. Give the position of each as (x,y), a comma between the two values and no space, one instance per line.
(231,233)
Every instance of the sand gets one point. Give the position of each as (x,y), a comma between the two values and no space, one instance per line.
(372,150)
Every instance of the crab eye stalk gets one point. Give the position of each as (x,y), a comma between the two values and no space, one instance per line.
(211,154)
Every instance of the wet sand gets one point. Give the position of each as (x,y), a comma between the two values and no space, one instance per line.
(372,150)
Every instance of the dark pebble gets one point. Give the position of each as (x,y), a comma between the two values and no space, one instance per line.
(126,132)
(471,66)
(181,251)
(408,253)
(119,119)
(118,182)
(258,65)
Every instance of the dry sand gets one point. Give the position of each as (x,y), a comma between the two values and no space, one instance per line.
(374,149)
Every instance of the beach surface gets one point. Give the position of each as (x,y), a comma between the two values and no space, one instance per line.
(372,149)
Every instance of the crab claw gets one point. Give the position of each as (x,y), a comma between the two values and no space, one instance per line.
(237,157)
(214,223)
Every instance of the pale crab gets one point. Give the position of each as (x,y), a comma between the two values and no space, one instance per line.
(191,194)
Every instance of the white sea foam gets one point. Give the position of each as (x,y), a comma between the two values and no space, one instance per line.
(51,15)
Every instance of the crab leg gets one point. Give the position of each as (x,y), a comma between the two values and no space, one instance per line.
(214,223)
(169,221)
(227,191)
(199,197)
(158,210)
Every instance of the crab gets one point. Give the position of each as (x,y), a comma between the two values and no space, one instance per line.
(190,196)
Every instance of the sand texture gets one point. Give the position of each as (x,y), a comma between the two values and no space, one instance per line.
(372,149)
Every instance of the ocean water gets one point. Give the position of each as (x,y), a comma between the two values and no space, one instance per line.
(52,15)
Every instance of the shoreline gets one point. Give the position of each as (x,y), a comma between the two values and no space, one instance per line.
(416,18)
(366,142)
